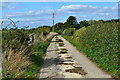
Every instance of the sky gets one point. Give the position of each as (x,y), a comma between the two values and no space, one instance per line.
(35,14)
(59,0)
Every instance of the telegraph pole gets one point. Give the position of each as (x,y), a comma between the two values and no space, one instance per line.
(53,22)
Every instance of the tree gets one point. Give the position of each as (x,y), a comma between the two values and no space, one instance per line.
(100,21)
(84,23)
(113,20)
(72,20)
(58,26)
(66,25)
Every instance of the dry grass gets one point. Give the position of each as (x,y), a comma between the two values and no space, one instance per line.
(15,62)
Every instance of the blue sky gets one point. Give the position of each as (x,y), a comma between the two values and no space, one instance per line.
(36,14)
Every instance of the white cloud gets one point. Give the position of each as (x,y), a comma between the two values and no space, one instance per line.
(36,13)
(8,5)
(91,11)
(67,10)
(81,12)
(79,8)
(88,9)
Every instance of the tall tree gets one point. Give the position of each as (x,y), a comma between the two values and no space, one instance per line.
(72,20)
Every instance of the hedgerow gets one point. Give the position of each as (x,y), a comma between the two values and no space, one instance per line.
(100,44)
(20,59)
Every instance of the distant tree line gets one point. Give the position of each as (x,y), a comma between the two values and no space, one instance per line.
(59,27)
(71,22)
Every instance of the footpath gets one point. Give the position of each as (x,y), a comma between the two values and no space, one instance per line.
(63,60)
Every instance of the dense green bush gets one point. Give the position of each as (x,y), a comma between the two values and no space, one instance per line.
(13,38)
(20,59)
(78,33)
(69,31)
(100,43)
